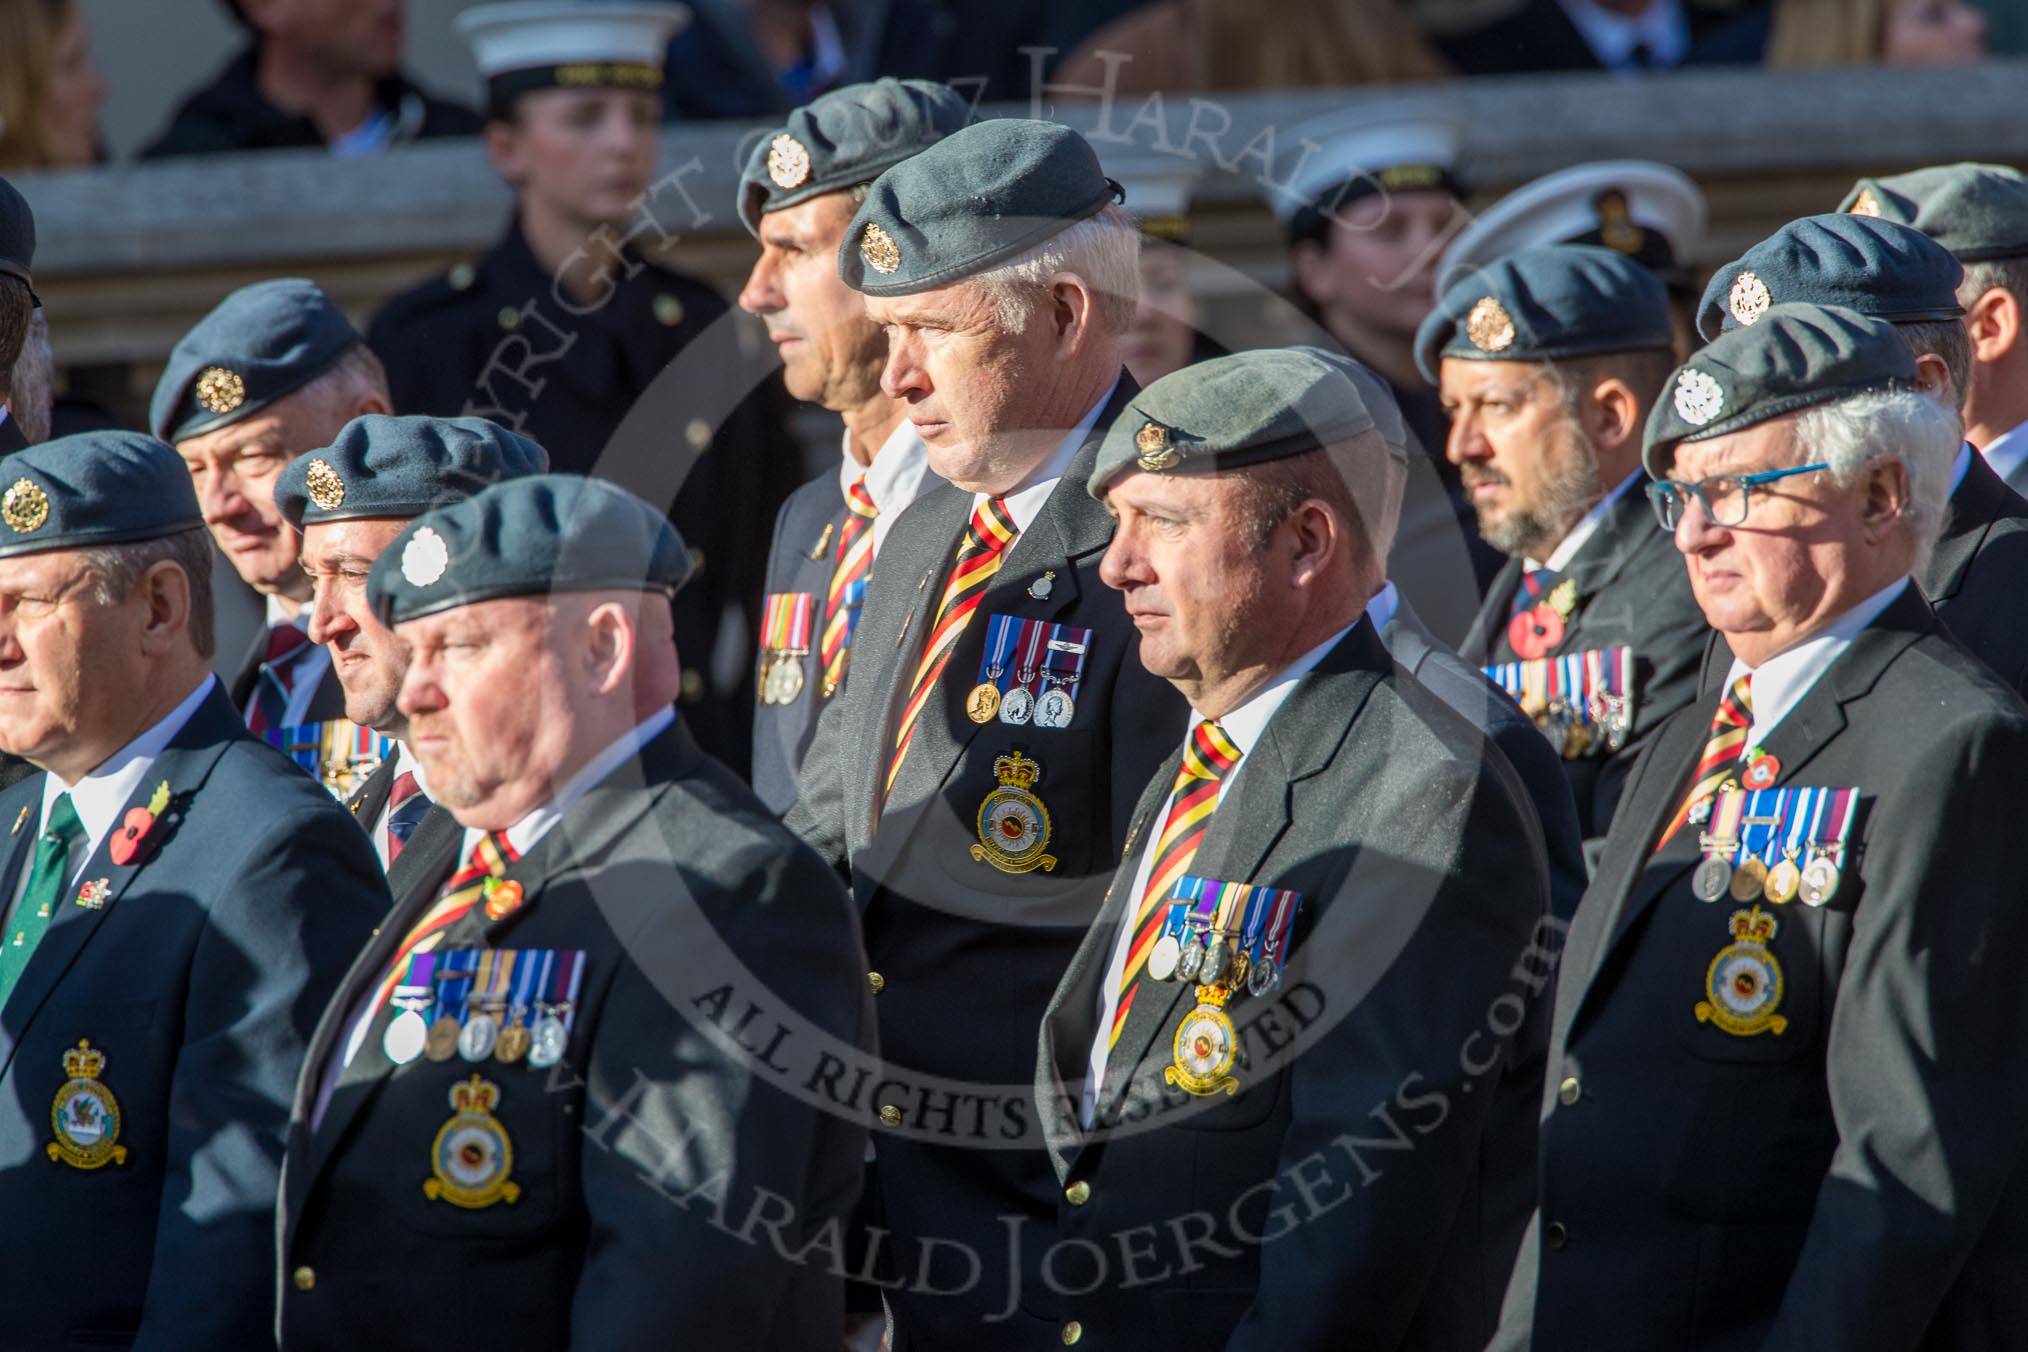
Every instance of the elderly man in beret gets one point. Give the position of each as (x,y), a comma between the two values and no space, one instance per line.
(585,1074)
(1779,1110)
(273,371)
(976,778)
(800,189)
(1548,361)
(179,902)
(1333,878)
(345,502)
(1977,571)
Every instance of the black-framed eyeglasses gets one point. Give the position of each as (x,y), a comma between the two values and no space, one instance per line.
(1725,497)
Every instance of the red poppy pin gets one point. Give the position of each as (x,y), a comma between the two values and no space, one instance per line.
(129,842)
(503,897)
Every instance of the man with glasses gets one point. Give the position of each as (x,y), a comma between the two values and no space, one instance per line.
(1774,1116)
(1548,362)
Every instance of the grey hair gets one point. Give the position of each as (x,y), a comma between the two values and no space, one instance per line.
(1103,250)
(354,376)
(1948,341)
(1994,274)
(1851,434)
(116,569)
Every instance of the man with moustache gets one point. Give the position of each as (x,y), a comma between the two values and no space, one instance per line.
(976,776)
(1548,361)
(801,186)
(275,370)
(536,1086)
(178,902)
(345,502)
(1779,1114)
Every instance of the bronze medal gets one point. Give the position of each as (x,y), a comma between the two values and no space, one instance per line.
(1749,881)
(442,1043)
(1784,880)
(513,1043)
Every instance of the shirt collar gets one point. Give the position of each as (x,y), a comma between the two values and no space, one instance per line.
(893,480)
(1613,37)
(1024,504)
(1780,683)
(276,615)
(1245,725)
(105,790)
(1587,526)
(405,762)
(525,834)
(1380,610)
(2007,452)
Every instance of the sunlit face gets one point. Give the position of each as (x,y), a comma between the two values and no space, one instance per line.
(584,155)
(1932,33)
(831,352)
(966,380)
(234,471)
(489,701)
(1526,465)
(368,659)
(1377,269)
(74,94)
(1164,336)
(1769,583)
(1193,585)
(71,669)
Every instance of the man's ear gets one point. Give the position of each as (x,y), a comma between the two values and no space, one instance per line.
(1993,322)
(165,588)
(1073,311)
(1933,378)
(609,640)
(1887,497)
(1612,414)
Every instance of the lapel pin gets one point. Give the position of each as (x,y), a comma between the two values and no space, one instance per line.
(1042,586)
(18,820)
(823,543)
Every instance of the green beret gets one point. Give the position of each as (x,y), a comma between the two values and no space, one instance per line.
(92,489)
(1263,404)
(1876,267)
(533,536)
(381,465)
(1977,211)
(980,196)
(1793,357)
(1546,304)
(262,342)
(848,137)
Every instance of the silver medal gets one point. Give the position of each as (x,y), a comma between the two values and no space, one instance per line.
(1264,977)
(1190,961)
(1712,880)
(476,1039)
(548,1046)
(1016,705)
(404,1039)
(1054,710)
(1217,954)
(1820,881)
(1162,958)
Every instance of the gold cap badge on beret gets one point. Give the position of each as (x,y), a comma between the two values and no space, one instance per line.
(1699,398)
(424,558)
(220,390)
(1749,299)
(1489,326)
(1156,454)
(788,162)
(878,250)
(1865,204)
(25,507)
(327,490)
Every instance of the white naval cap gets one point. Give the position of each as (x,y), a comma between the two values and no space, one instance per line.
(1157,196)
(525,45)
(1337,158)
(1651,212)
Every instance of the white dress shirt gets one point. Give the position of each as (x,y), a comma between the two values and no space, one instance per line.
(894,479)
(1243,728)
(2008,454)
(306,673)
(1025,502)
(1587,526)
(1780,683)
(1612,37)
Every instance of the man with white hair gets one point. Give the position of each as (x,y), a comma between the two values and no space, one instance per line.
(1778,1113)
(976,776)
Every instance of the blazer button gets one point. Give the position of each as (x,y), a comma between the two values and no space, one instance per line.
(1079,1193)
(890,1116)
(1556,1235)
(1072,1332)
(305,1278)
(877,981)
(1569,1091)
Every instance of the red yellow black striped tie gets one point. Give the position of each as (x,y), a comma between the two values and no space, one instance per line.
(1721,754)
(855,557)
(986,539)
(1207,759)
(467,887)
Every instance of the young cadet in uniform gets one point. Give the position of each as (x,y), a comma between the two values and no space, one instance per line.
(799,191)
(345,502)
(1549,360)
(275,370)
(563,328)
(1367,198)
(1778,1115)
(179,902)
(1371,855)
(1980,213)
(976,777)
(1978,572)
(560,1103)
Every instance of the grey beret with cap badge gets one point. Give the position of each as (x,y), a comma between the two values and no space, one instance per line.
(847,137)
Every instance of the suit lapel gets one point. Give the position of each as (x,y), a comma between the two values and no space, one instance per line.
(430,855)
(1627,528)
(1484,635)
(370,798)
(1973,508)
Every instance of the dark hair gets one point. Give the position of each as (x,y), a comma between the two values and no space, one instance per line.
(116,569)
(1945,338)
(17,312)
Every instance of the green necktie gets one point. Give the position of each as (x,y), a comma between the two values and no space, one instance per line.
(45,888)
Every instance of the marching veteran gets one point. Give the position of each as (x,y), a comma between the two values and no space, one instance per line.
(179,902)
(345,502)
(577,1076)
(1976,573)
(976,777)
(1329,884)
(1548,361)
(800,190)
(1778,1114)
(273,371)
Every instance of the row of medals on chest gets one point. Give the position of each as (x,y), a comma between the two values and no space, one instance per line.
(481,1035)
(1815,879)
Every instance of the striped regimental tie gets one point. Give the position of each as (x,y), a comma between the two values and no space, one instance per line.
(847,591)
(1721,754)
(979,554)
(466,889)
